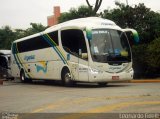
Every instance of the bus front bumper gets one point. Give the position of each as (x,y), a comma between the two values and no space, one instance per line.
(110,77)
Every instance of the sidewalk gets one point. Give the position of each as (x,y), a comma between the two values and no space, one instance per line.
(1,81)
(145,81)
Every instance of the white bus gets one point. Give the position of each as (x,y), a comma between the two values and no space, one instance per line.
(82,50)
(5,57)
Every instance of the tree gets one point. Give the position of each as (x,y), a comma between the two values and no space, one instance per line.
(82,11)
(153,58)
(140,65)
(35,28)
(145,55)
(74,13)
(95,8)
(139,17)
(8,35)
(146,60)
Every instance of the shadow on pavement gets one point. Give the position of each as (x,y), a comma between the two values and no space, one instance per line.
(58,84)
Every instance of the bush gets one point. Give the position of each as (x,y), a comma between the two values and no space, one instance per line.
(153,57)
(146,59)
(139,60)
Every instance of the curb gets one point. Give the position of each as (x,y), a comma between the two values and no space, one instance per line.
(1,82)
(145,81)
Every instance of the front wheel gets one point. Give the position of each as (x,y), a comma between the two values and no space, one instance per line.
(66,78)
(103,84)
(23,78)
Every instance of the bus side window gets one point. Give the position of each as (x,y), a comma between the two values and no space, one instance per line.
(54,37)
(72,41)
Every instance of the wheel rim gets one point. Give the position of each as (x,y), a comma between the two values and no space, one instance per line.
(22,77)
(67,77)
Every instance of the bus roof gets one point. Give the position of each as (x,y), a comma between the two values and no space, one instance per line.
(89,22)
(5,52)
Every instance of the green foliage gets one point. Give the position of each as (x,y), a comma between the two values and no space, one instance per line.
(153,50)
(140,65)
(146,59)
(8,35)
(95,8)
(36,28)
(145,21)
(82,11)
(146,55)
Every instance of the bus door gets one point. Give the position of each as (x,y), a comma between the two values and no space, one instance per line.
(83,59)
(73,42)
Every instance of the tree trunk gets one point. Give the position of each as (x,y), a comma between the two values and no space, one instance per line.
(96,7)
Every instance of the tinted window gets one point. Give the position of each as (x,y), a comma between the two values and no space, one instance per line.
(73,40)
(32,44)
(38,42)
(54,36)
(109,46)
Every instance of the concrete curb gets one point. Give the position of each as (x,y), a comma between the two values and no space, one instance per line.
(145,81)
(1,82)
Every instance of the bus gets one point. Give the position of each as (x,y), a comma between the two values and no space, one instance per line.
(5,57)
(82,50)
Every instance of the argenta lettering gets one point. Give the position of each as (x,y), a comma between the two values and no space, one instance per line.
(100,32)
(31,57)
(107,24)
(115,68)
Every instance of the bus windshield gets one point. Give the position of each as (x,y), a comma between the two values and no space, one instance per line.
(109,46)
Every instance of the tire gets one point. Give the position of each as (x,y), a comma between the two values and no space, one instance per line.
(102,84)
(23,78)
(66,78)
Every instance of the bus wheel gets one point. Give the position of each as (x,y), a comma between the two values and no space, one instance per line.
(103,84)
(22,77)
(66,78)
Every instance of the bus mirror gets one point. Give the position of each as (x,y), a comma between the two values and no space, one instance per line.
(89,34)
(84,56)
(132,35)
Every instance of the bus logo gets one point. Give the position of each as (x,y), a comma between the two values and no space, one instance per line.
(42,67)
(31,57)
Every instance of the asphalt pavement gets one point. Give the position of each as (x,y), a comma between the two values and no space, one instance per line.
(82,100)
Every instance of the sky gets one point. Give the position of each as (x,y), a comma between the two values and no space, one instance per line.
(18,14)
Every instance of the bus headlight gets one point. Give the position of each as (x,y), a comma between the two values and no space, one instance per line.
(130,70)
(95,71)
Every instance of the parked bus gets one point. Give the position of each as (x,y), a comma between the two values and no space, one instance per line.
(5,57)
(82,50)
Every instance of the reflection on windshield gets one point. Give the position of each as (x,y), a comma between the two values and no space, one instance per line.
(109,46)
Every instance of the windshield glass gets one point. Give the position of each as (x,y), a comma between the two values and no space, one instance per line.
(109,45)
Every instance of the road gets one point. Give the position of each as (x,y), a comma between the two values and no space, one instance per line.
(51,97)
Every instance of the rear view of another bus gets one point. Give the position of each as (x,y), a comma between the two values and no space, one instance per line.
(5,56)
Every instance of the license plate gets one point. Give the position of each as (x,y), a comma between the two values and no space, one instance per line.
(115,77)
